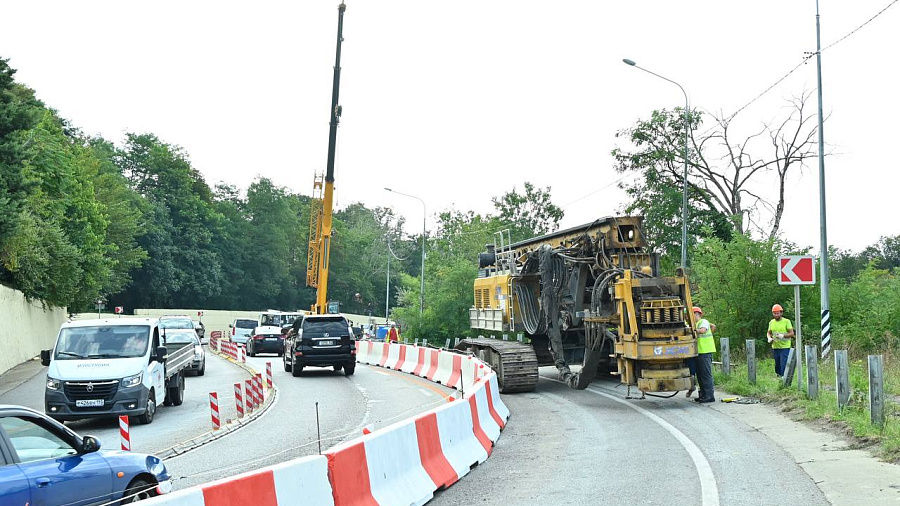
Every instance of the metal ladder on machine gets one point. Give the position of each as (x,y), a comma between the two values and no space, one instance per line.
(506,262)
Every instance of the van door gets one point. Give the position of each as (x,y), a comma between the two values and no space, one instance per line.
(157,371)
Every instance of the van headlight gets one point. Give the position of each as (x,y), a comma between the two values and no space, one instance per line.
(52,383)
(133,381)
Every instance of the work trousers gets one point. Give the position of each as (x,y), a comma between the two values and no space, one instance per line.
(781,358)
(705,376)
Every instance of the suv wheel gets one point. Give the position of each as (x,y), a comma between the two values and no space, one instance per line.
(338,367)
(296,370)
(349,369)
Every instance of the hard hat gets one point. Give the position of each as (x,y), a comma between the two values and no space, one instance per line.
(777,307)
(698,310)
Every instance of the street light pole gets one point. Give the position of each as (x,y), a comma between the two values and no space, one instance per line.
(424,215)
(684,199)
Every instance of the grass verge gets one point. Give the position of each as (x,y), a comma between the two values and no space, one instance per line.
(853,421)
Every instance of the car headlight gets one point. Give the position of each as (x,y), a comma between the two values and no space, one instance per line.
(133,381)
(52,383)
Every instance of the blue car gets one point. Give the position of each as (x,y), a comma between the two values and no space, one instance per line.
(43,462)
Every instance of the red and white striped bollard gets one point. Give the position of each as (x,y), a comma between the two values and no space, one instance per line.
(214,409)
(258,389)
(239,400)
(269,379)
(248,395)
(125,433)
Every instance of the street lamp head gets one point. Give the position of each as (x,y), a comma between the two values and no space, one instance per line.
(629,62)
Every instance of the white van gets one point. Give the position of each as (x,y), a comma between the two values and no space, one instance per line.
(121,366)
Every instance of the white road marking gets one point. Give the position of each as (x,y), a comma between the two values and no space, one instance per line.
(426,393)
(709,491)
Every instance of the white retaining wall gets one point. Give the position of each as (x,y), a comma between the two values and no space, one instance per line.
(26,327)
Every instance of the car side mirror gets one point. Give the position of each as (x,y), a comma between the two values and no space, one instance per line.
(45,357)
(231,326)
(89,444)
(161,354)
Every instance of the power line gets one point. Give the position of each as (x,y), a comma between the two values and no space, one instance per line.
(808,55)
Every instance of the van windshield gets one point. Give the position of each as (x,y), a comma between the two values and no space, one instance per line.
(122,341)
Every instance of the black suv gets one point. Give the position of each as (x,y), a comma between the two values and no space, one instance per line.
(322,341)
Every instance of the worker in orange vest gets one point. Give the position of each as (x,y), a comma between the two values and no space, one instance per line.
(393,335)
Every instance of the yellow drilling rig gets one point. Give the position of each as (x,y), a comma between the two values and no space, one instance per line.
(589,296)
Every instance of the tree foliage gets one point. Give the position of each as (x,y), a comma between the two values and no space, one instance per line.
(729,178)
(528,214)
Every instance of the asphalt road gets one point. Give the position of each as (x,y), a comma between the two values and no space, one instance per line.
(289,428)
(595,447)
(171,425)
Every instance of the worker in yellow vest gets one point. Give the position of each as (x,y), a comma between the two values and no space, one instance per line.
(706,346)
(779,336)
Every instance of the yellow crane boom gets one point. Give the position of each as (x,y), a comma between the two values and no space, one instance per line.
(323,194)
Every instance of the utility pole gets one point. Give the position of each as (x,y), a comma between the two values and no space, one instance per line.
(823,256)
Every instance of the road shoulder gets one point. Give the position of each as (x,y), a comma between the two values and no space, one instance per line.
(846,476)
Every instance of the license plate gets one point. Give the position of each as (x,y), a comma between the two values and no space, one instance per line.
(89,403)
(271,339)
(326,343)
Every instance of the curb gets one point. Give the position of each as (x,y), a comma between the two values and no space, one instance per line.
(227,428)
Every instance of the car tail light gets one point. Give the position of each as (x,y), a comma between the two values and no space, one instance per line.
(257,338)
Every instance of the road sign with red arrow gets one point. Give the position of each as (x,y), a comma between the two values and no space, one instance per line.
(796,270)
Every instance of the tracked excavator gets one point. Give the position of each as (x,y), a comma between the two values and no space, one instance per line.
(588,300)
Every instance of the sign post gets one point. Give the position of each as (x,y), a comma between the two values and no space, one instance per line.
(797,270)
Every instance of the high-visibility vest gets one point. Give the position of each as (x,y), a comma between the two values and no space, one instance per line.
(782,326)
(705,342)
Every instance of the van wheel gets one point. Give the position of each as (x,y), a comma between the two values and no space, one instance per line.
(150,412)
(176,393)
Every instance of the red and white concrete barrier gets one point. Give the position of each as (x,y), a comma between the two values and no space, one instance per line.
(269,379)
(404,463)
(125,433)
(413,354)
(248,395)
(299,481)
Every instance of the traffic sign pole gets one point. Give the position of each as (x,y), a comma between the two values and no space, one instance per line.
(799,340)
(797,270)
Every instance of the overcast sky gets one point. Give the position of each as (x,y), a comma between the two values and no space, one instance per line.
(457,102)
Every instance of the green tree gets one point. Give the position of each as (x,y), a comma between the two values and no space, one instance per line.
(528,215)
(20,111)
(722,169)
(736,285)
(183,269)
